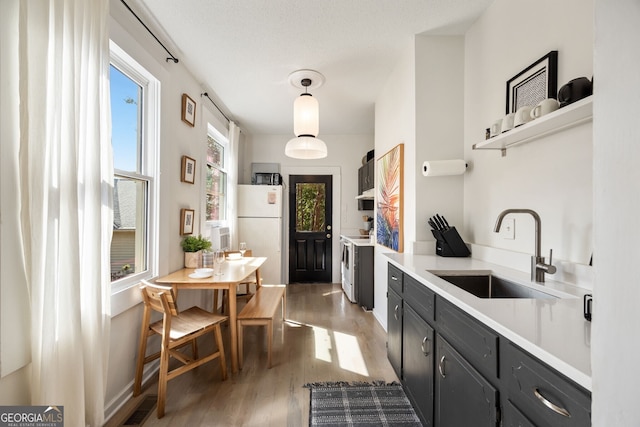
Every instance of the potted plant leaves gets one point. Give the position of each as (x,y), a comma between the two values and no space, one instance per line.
(193,247)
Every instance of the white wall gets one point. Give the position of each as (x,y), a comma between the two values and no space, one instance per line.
(614,334)
(395,120)
(345,153)
(553,175)
(439,132)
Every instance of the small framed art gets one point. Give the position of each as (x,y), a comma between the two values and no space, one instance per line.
(188,110)
(188,173)
(186,221)
(535,83)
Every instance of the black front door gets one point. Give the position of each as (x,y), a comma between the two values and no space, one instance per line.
(310,231)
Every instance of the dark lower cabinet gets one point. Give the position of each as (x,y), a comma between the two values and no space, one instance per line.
(541,394)
(463,396)
(394,331)
(458,372)
(417,363)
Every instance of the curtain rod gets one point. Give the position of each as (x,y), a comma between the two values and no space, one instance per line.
(215,105)
(172,58)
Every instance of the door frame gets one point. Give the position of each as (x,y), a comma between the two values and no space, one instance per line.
(336,201)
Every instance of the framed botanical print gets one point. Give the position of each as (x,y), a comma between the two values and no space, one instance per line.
(389,199)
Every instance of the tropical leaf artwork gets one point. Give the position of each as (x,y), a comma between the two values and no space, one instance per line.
(389,198)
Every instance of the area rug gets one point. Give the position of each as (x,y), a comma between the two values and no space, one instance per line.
(360,404)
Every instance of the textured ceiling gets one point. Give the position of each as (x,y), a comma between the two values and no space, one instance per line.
(242,51)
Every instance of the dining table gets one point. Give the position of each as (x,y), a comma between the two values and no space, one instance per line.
(230,274)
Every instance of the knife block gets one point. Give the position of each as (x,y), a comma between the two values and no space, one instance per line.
(450,244)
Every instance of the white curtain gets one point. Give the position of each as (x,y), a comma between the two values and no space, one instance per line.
(65,188)
(234,148)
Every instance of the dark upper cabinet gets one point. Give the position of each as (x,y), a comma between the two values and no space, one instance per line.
(366,180)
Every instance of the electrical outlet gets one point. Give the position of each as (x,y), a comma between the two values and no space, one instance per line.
(508,229)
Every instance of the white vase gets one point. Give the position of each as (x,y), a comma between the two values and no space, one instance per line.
(192,259)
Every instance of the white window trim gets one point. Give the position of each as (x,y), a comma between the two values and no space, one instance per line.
(125,293)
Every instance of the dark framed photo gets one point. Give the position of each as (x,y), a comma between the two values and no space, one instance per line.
(186,221)
(188,110)
(535,83)
(188,173)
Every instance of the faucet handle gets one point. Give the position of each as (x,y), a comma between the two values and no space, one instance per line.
(551,269)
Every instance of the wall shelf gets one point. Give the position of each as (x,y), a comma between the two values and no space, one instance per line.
(564,118)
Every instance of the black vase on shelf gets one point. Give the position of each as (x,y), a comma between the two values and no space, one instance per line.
(575,90)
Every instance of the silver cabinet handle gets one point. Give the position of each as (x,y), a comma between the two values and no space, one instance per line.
(395,312)
(441,367)
(394,278)
(328,236)
(425,351)
(555,408)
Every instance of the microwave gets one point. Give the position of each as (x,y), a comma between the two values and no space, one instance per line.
(263,178)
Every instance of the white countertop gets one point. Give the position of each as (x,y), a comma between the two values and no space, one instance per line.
(553,330)
(358,241)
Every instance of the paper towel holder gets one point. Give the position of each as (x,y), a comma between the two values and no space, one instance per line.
(432,168)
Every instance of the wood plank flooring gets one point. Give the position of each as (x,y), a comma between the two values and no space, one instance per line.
(325,338)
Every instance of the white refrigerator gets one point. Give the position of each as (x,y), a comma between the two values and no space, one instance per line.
(260,226)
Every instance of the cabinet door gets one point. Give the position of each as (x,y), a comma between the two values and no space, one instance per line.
(369,174)
(417,363)
(394,331)
(463,396)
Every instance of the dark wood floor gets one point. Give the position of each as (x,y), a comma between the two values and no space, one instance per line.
(325,338)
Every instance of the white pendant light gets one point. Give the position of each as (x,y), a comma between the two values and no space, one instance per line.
(306,123)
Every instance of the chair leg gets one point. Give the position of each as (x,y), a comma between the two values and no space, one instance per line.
(142,350)
(223,360)
(240,344)
(194,349)
(269,340)
(162,381)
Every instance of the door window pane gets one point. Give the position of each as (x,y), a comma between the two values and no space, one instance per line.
(310,207)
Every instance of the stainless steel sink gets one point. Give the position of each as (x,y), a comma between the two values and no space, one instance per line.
(490,286)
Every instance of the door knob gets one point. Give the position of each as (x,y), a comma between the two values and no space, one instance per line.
(328,235)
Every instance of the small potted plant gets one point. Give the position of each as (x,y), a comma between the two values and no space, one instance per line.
(193,247)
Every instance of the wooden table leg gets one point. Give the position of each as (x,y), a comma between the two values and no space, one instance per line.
(233,328)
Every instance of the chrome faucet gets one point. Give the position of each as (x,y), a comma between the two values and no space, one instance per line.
(538,266)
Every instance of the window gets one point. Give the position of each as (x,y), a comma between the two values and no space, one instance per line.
(216,186)
(134,142)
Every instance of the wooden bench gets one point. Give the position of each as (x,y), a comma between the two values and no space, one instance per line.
(260,311)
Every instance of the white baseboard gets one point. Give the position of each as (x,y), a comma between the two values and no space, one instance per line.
(115,404)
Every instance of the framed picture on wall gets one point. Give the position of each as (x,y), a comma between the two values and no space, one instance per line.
(188,173)
(535,83)
(188,110)
(390,170)
(186,221)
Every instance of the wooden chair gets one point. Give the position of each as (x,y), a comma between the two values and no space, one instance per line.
(249,281)
(177,329)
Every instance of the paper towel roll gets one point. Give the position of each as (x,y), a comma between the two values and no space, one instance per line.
(443,167)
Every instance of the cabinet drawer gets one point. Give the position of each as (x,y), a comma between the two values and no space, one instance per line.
(420,298)
(512,417)
(395,279)
(472,339)
(543,395)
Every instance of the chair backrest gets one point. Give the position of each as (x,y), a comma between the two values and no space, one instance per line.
(159,298)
